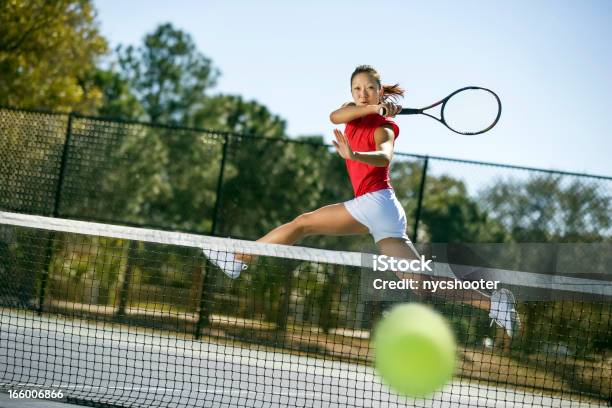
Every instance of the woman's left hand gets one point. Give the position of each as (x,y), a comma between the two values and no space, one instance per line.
(342,146)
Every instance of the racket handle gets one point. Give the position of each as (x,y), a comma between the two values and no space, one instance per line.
(382,111)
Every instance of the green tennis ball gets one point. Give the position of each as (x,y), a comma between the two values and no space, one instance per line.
(414,350)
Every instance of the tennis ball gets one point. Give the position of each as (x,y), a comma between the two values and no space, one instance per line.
(414,350)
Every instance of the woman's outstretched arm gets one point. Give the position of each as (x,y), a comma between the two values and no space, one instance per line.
(349,111)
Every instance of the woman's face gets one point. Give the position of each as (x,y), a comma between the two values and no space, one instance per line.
(365,90)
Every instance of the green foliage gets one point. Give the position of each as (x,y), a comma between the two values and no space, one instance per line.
(167,74)
(267,183)
(448,213)
(230,113)
(169,78)
(118,101)
(547,208)
(451,215)
(48,54)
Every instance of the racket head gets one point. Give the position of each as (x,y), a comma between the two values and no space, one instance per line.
(471,110)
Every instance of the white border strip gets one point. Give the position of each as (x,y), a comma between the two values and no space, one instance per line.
(531,279)
(181,239)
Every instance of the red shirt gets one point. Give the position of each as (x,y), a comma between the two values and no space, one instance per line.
(360,133)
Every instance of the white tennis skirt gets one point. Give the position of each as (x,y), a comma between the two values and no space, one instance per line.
(381,212)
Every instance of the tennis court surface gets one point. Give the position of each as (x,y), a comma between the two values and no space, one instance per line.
(117,316)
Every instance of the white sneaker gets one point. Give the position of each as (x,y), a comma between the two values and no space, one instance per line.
(226,261)
(503,311)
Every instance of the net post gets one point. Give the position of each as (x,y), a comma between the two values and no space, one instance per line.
(331,283)
(56,205)
(213,229)
(208,283)
(417,215)
(283,312)
(126,282)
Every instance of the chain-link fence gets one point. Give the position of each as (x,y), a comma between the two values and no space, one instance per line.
(203,181)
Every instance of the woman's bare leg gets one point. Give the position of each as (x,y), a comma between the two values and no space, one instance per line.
(329,220)
(401,248)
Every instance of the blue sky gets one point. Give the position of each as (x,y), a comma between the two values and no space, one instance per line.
(549,61)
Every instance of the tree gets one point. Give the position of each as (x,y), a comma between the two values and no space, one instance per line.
(230,113)
(451,215)
(118,100)
(550,209)
(168,75)
(170,79)
(448,213)
(48,54)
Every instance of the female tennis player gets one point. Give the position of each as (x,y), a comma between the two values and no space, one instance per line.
(367,147)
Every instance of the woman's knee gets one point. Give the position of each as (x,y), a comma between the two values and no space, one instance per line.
(398,247)
(304,224)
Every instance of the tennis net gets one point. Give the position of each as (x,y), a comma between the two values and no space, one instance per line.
(117,316)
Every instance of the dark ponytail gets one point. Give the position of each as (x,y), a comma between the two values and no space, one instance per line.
(391,93)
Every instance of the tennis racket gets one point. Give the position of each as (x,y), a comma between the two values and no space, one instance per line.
(468,111)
